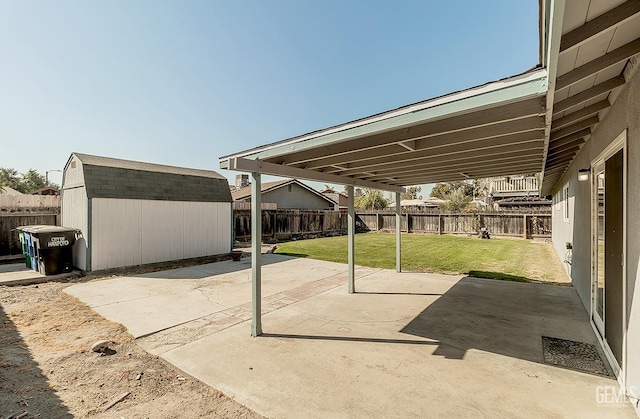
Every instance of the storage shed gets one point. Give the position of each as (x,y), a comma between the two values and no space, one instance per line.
(133,213)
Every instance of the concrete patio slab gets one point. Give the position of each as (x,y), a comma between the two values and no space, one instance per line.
(406,345)
(153,302)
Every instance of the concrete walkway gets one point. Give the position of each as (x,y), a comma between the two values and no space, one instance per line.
(406,345)
(19,274)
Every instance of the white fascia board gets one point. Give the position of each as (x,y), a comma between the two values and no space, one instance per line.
(556,17)
(522,87)
(242,164)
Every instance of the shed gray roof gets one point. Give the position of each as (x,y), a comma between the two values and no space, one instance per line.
(105,177)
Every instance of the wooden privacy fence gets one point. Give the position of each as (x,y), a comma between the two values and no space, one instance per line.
(10,220)
(22,210)
(29,201)
(498,224)
(287,224)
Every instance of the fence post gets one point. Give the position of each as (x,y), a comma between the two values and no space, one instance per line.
(408,220)
(440,224)
(524,225)
(378,217)
(274,226)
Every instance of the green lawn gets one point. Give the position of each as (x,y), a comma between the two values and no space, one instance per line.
(510,259)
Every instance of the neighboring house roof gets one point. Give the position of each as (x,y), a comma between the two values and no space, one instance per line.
(47,190)
(106,177)
(341,198)
(478,203)
(245,193)
(523,200)
(6,190)
(434,200)
(333,191)
(429,202)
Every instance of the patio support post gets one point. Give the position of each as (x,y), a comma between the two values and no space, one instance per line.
(398,231)
(256,259)
(351,224)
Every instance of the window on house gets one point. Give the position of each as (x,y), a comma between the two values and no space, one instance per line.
(565,203)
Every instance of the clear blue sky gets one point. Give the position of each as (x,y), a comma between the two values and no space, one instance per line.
(185,82)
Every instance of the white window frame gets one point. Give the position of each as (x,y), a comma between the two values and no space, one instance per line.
(565,202)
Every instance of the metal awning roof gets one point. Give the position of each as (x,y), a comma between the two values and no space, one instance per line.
(490,130)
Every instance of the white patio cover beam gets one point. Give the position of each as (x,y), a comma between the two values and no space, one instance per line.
(554,15)
(242,164)
(256,256)
(398,235)
(351,232)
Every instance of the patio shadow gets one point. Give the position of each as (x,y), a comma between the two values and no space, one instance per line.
(506,318)
(396,293)
(498,275)
(212,269)
(293,255)
(348,339)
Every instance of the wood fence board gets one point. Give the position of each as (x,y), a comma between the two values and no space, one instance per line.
(288,224)
(9,241)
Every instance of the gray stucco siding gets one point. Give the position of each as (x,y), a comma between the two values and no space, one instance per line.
(623,115)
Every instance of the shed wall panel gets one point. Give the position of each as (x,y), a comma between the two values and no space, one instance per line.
(145,247)
(134,232)
(74,215)
(73,174)
(136,222)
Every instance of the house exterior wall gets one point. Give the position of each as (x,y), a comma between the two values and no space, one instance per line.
(74,209)
(296,198)
(624,114)
(563,231)
(128,232)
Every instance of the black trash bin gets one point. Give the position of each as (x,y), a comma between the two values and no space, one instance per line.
(52,247)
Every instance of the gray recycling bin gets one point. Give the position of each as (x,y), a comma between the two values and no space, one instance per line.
(50,248)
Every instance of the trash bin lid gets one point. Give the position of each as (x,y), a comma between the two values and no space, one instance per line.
(51,237)
(46,229)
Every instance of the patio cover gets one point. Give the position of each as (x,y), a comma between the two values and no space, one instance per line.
(496,129)
(490,130)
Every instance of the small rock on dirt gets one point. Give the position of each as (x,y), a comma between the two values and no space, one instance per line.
(100,346)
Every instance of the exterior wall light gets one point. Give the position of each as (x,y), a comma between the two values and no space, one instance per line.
(583,174)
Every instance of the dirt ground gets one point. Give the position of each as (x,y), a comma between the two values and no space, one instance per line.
(48,370)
